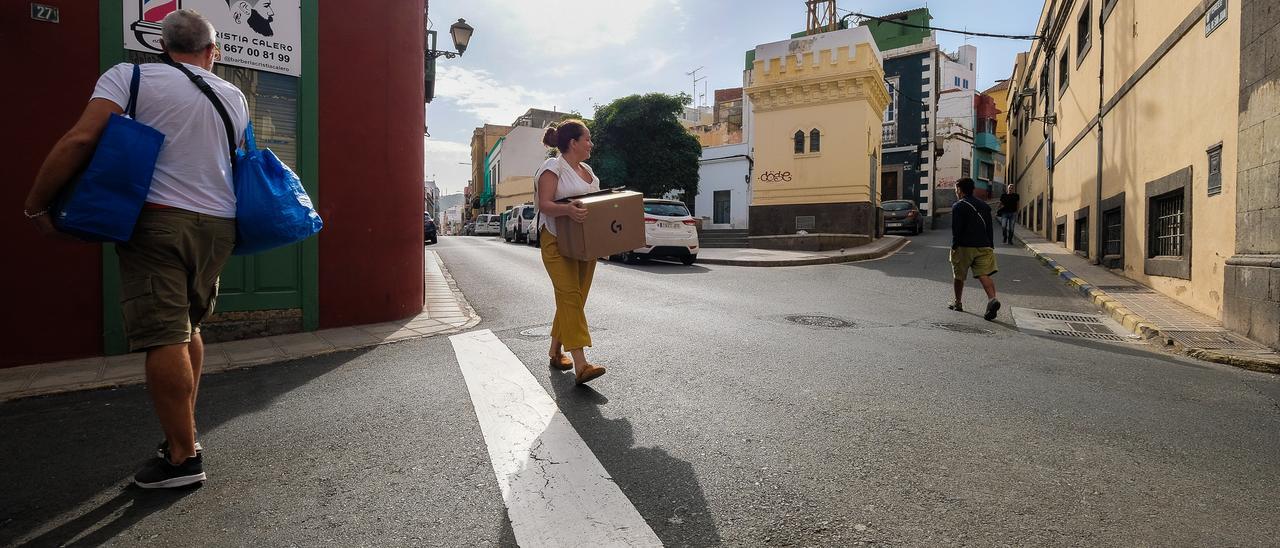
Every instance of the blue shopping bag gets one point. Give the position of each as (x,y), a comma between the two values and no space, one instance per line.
(272,208)
(102,204)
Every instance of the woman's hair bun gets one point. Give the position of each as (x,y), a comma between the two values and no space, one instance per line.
(549,138)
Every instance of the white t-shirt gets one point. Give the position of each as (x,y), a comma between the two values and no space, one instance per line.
(570,183)
(193,171)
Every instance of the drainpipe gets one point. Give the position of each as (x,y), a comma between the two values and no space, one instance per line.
(1097,208)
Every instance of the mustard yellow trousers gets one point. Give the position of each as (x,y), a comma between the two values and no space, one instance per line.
(571,279)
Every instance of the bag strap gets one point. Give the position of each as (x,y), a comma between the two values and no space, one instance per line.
(132,108)
(207,90)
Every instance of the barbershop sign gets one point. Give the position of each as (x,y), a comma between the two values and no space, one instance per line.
(257,34)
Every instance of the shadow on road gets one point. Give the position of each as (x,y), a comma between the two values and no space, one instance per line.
(78,448)
(664,489)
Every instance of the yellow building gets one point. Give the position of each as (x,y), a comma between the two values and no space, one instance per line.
(1124,121)
(817,104)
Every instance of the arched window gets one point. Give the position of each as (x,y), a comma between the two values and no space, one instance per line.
(815,144)
(799,139)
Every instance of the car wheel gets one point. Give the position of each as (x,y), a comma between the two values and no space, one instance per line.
(688,259)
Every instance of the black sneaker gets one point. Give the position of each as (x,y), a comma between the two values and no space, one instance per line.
(162,449)
(956,306)
(160,474)
(993,306)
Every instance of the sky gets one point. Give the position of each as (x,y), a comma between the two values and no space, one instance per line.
(573,54)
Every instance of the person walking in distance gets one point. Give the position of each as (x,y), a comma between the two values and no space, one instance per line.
(1008,212)
(972,246)
(169,268)
(560,177)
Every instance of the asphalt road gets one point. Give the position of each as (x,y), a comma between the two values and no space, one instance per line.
(721,421)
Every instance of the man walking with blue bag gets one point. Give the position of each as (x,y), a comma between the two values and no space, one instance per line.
(185,233)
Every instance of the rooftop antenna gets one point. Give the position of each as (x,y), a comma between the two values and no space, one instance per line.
(696,79)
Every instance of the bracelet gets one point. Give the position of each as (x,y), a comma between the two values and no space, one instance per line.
(40,213)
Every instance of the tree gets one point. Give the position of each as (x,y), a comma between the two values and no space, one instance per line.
(640,143)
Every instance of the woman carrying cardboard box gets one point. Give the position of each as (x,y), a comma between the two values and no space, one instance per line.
(560,177)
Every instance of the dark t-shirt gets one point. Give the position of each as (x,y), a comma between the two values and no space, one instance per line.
(1009,203)
(971,224)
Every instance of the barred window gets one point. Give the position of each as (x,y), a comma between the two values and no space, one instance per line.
(799,141)
(815,144)
(1215,170)
(1166,225)
(1082,235)
(1113,232)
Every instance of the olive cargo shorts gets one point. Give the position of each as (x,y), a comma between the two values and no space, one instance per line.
(169,274)
(981,260)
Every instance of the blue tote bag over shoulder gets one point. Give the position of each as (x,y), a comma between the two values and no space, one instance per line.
(102,204)
(272,208)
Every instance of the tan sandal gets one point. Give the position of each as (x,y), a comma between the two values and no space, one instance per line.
(589,372)
(561,362)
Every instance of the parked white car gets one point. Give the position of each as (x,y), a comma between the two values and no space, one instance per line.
(669,232)
(519,222)
(488,225)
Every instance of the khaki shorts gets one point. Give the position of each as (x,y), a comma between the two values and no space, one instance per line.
(981,260)
(169,274)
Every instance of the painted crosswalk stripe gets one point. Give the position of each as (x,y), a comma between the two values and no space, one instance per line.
(556,492)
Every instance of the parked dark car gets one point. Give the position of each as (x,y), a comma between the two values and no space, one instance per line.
(902,215)
(429,233)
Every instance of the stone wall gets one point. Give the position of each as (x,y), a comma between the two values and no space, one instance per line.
(1252,285)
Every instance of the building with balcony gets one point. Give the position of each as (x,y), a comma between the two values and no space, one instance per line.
(913,130)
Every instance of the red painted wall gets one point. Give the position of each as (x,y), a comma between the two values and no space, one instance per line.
(52,289)
(371,196)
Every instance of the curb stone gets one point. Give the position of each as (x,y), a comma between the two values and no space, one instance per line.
(24,390)
(1145,329)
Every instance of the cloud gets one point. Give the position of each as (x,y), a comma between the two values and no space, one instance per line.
(448,163)
(490,100)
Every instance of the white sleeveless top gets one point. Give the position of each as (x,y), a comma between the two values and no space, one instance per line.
(569,183)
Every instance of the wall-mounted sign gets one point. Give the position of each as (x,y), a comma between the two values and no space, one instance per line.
(48,14)
(258,34)
(1215,17)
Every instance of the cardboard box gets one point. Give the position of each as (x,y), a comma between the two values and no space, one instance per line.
(615,223)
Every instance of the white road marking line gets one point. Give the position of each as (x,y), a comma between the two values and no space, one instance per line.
(556,492)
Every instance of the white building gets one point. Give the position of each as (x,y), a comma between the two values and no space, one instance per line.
(724,189)
(431,198)
(955,131)
(512,164)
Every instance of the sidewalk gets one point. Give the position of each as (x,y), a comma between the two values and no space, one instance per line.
(1149,314)
(446,312)
(745,256)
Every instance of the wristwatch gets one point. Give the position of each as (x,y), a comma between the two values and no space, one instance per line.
(31,215)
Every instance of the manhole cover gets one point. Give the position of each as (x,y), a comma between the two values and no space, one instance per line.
(820,321)
(961,328)
(1069,324)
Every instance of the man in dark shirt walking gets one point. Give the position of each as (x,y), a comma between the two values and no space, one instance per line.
(1008,212)
(971,246)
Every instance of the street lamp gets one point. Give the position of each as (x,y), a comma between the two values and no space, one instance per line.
(461,34)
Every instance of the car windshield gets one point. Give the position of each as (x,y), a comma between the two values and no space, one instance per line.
(666,209)
(488,218)
(896,206)
(528,213)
